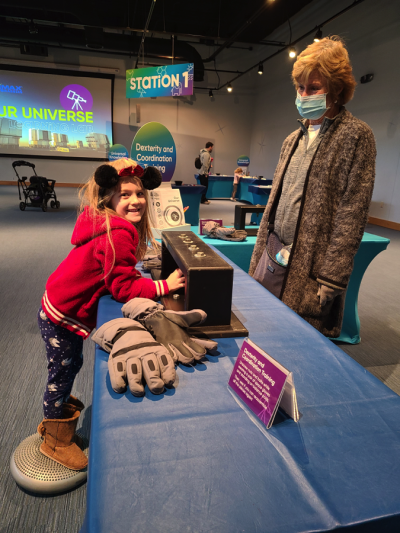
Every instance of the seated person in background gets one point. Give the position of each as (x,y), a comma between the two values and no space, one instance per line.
(238,175)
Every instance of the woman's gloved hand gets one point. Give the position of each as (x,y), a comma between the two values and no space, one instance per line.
(326,294)
(134,354)
(170,328)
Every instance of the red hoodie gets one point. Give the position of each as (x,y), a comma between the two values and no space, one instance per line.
(73,290)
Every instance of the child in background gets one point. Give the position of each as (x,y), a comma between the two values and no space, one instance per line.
(237,176)
(110,236)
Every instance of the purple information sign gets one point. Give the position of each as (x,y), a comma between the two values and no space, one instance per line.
(257,382)
(203,221)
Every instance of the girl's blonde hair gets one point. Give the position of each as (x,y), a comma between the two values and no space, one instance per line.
(102,212)
(239,170)
(331,59)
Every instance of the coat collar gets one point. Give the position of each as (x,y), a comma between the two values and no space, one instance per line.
(326,123)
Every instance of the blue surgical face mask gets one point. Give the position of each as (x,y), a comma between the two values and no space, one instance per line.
(311,107)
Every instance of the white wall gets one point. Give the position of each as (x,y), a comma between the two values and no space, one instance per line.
(259,114)
(372,34)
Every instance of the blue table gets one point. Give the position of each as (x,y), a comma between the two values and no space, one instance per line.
(218,186)
(191,197)
(260,194)
(192,460)
(371,245)
(247,188)
(222,186)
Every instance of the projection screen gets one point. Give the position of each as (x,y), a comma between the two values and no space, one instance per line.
(56,114)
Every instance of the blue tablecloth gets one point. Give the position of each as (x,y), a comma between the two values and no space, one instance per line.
(218,186)
(248,191)
(243,193)
(222,187)
(371,245)
(260,195)
(192,460)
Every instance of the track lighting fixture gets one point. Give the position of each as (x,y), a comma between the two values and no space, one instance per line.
(210,93)
(260,68)
(229,88)
(292,52)
(318,36)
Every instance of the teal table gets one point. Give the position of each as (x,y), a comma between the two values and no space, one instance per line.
(243,192)
(371,245)
(191,197)
(218,186)
(260,193)
(222,187)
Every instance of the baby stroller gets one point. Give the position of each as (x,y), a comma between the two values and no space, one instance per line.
(39,192)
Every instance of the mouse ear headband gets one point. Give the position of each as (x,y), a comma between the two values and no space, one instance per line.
(107,177)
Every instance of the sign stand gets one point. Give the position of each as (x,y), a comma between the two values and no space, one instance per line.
(167,210)
(263,384)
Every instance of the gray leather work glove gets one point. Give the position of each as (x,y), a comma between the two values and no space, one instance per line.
(170,328)
(134,355)
(215,231)
(151,262)
(326,294)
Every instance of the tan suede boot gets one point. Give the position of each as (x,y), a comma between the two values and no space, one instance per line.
(59,442)
(76,405)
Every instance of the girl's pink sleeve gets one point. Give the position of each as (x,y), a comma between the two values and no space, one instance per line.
(123,281)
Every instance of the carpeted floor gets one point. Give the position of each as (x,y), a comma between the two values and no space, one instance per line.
(32,245)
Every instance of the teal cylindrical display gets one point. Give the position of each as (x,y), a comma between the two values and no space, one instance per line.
(117,151)
(243,161)
(153,145)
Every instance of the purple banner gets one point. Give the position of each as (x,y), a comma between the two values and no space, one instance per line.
(257,382)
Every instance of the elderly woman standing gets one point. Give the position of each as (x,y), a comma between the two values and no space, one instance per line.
(318,206)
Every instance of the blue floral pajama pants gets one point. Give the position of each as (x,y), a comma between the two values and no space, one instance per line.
(64,360)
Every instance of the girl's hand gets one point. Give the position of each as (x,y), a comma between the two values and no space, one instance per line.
(176,280)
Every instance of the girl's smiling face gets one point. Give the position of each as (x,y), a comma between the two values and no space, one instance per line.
(129,202)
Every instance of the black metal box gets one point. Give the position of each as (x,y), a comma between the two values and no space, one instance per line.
(209,279)
(240,217)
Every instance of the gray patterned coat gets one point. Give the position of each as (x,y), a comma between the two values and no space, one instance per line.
(332,218)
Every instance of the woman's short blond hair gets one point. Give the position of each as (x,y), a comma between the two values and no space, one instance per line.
(330,58)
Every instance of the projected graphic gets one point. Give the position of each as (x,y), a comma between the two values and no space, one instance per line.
(46,114)
(76,97)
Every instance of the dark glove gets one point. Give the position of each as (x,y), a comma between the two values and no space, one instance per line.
(326,294)
(170,328)
(215,231)
(151,262)
(135,354)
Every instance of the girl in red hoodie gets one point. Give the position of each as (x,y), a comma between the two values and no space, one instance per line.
(110,236)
